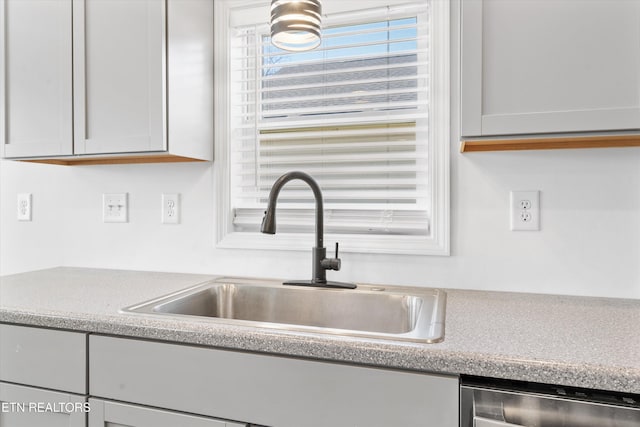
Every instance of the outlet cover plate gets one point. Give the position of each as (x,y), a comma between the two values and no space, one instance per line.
(115,207)
(525,210)
(171,208)
(24,207)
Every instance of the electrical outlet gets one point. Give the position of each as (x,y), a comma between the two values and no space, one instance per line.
(171,208)
(115,207)
(24,207)
(525,210)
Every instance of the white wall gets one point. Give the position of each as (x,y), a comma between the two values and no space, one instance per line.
(589,243)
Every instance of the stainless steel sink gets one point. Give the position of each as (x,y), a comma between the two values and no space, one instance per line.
(384,312)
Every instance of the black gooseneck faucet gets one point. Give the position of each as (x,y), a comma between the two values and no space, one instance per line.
(319,261)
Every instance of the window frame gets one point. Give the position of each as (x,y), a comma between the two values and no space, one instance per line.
(436,243)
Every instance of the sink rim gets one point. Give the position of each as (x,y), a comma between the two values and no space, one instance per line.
(428,329)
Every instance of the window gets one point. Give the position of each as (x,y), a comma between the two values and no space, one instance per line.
(366,114)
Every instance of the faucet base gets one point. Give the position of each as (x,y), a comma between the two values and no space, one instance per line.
(327,284)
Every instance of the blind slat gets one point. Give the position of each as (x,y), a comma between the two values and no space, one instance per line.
(248,59)
(395,207)
(277,170)
(328,49)
(303,161)
(245,63)
(354,82)
(333,132)
(345,108)
(335,97)
(328,184)
(348,119)
(319,145)
(389,195)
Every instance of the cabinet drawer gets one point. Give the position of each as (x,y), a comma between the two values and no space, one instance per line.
(267,390)
(44,358)
(105,414)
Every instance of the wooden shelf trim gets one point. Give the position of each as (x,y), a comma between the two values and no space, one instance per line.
(113,160)
(600,141)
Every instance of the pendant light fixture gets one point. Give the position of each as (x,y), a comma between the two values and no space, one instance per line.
(296,24)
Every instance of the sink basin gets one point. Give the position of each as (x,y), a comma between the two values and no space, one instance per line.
(384,312)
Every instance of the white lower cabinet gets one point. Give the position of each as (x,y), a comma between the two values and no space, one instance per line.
(141,383)
(46,358)
(112,414)
(22,406)
(263,389)
(43,377)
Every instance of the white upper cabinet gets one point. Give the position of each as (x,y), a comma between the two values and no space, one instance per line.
(531,66)
(117,80)
(35,78)
(118,48)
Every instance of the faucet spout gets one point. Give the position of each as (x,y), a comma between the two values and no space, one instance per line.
(320,262)
(269,220)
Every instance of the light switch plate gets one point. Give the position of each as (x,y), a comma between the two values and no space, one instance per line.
(115,207)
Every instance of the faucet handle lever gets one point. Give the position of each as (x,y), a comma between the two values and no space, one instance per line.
(336,263)
(331,263)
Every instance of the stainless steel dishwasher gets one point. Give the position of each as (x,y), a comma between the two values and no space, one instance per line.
(487,403)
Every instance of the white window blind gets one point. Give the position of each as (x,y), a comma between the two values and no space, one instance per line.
(354,113)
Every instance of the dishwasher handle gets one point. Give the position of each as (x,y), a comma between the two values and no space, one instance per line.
(485,422)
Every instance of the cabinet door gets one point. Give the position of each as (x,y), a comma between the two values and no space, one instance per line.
(35,78)
(111,414)
(531,66)
(119,64)
(33,407)
(267,390)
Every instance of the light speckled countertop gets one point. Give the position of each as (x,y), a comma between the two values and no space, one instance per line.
(572,341)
